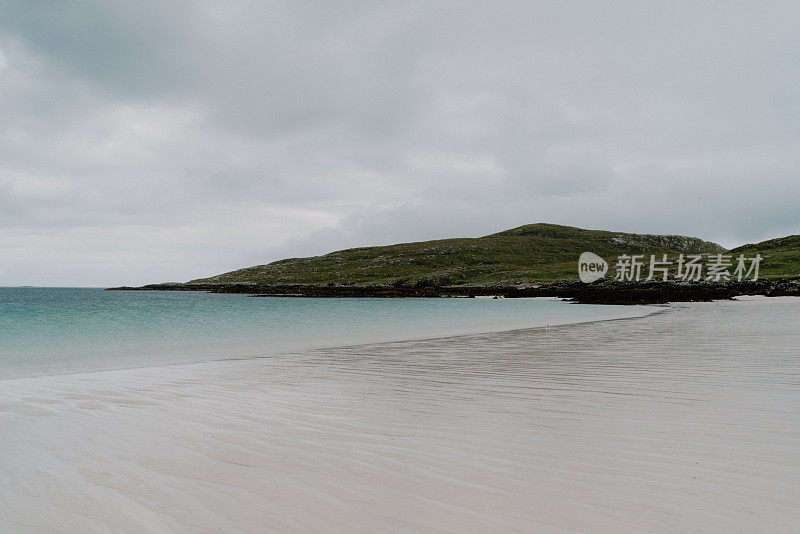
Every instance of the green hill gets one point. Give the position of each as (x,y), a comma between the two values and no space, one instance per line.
(781,256)
(533,253)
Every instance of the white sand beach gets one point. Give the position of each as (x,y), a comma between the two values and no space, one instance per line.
(686,421)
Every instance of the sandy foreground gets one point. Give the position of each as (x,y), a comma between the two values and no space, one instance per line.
(685,421)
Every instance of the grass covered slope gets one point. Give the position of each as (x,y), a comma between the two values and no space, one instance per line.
(781,256)
(533,253)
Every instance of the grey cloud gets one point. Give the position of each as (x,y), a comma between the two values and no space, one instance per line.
(215,135)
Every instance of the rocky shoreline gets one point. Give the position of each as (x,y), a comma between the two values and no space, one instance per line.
(600,292)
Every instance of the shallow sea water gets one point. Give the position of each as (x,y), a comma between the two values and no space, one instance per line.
(45,331)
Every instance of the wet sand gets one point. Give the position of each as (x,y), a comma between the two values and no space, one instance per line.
(687,420)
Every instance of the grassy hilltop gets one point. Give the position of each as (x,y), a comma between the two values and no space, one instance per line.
(533,253)
(781,256)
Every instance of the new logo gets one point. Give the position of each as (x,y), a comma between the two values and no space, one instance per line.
(591,267)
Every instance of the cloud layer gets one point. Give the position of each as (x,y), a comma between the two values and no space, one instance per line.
(145,142)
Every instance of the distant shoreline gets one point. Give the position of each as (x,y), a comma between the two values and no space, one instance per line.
(601,292)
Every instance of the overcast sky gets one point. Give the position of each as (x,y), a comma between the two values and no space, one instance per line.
(144,142)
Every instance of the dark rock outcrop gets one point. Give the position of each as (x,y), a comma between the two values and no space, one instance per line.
(600,292)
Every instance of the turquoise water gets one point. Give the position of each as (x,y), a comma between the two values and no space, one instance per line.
(64,330)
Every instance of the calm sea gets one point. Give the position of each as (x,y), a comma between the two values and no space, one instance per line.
(63,330)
